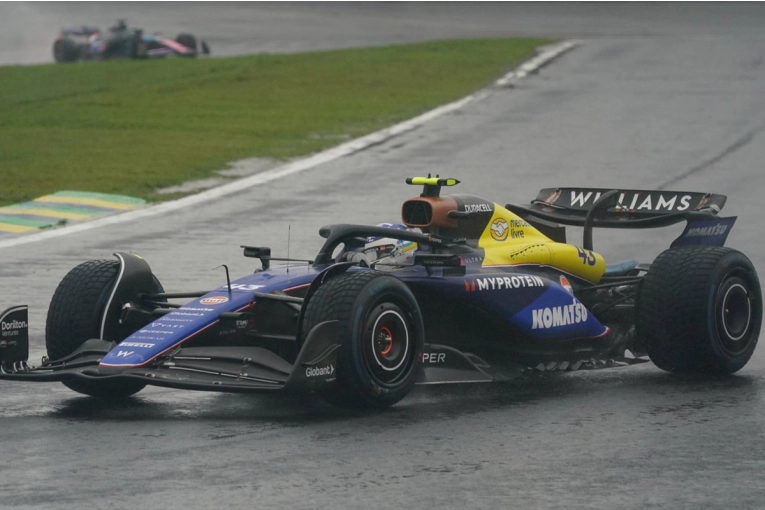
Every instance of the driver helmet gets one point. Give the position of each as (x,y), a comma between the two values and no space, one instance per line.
(385,251)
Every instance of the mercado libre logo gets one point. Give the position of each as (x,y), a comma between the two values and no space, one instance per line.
(213,300)
(499,229)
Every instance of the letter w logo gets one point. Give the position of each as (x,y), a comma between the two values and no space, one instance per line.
(124,354)
(581,198)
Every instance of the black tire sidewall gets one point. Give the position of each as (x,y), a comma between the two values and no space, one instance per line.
(77,306)
(65,50)
(74,316)
(349,298)
(732,268)
(679,314)
(382,290)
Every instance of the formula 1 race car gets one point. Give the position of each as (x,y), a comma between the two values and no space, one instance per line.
(465,291)
(120,41)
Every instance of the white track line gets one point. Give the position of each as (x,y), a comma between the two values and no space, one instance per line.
(302,165)
(536,63)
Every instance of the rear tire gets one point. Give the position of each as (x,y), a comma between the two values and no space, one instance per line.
(700,310)
(74,316)
(187,40)
(382,337)
(65,50)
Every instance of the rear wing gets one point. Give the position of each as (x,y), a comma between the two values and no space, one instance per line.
(610,208)
(83,31)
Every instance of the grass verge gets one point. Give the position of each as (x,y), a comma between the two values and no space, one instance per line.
(131,127)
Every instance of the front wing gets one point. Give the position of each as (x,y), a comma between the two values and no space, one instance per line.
(241,369)
(224,369)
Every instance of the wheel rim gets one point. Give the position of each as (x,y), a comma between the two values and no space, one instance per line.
(735,317)
(387,345)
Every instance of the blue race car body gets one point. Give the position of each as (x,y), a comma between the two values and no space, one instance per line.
(483,293)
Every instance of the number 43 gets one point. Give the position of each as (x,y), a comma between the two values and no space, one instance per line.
(587,256)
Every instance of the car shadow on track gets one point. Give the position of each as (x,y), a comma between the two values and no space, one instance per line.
(425,403)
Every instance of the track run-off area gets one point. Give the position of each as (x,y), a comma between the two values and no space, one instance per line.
(663,96)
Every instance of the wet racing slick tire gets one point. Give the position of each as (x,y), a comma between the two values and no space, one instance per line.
(700,310)
(187,40)
(65,50)
(382,337)
(74,316)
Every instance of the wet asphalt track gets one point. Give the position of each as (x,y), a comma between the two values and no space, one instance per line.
(658,96)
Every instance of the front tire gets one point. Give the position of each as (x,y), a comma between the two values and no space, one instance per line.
(74,316)
(65,50)
(700,310)
(382,337)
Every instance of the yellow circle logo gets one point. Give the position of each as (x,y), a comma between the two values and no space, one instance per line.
(499,229)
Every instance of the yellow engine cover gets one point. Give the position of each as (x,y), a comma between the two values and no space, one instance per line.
(510,240)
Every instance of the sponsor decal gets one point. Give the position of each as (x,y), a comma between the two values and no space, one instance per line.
(503,282)
(192,309)
(566,285)
(173,319)
(242,324)
(433,357)
(162,325)
(636,201)
(213,300)
(580,199)
(706,232)
(11,328)
(187,314)
(318,371)
(499,229)
(557,316)
(137,344)
(472,259)
(661,203)
(158,331)
(478,208)
(715,230)
(125,354)
(241,286)
(14,324)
